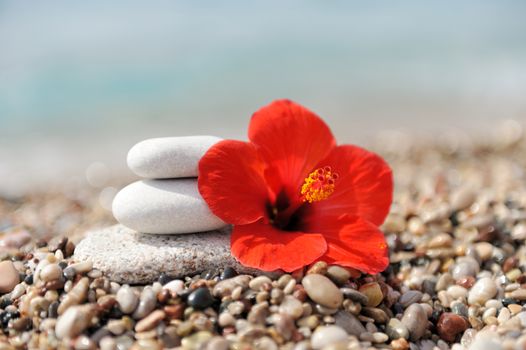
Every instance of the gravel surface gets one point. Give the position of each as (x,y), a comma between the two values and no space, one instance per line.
(456,280)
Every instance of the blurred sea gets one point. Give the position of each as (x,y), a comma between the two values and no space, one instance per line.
(80,82)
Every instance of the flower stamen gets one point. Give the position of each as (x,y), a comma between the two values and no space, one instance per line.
(319,185)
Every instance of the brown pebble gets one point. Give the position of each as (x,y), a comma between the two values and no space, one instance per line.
(466,282)
(515,308)
(400,344)
(299,293)
(174,311)
(21,324)
(373,292)
(9,276)
(509,264)
(450,325)
(106,302)
(69,249)
(56,243)
(163,296)
(319,267)
(150,321)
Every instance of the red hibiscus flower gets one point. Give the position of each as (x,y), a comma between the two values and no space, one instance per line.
(295,197)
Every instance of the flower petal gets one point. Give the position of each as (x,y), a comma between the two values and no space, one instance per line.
(291,140)
(231,182)
(264,247)
(353,242)
(364,187)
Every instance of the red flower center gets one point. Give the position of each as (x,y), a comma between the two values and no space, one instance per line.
(285,214)
(319,185)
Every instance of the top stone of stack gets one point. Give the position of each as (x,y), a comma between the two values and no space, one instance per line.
(169,157)
(167,201)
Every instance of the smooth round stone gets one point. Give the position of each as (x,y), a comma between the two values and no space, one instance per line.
(379,337)
(217,343)
(174,286)
(395,329)
(147,303)
(465,267)
(200,298)
(74,321)
(258,282)
(9,277)
(349,323)
(327,335)
(169,157)
(291,306)
(486,341)
(410,297)
(196,340)
(460,309)
(457,292)
(483,290)
(51,272)
(164,207)
(373,292)
(415,320)
(338,274)
(150,321)
(321,289)
(355,295)
(484,250)
(450,325)
(127,256)
(127,299)
(462,198)
(378,315)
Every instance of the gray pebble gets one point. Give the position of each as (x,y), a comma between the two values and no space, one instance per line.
(349,322)
(460,309)
(338,274)
(465,267)
(410,297)
(147,303)
(415,319)
(355,295)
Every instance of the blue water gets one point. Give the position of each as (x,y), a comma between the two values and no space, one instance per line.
(71,64)
(82,81)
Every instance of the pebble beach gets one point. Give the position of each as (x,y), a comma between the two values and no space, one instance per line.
(456,280)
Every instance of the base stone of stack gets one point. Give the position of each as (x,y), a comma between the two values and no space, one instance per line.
(127,256)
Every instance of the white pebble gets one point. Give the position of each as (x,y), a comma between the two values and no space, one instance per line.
(327,335)
(483,290)
(164,207)
(169,157)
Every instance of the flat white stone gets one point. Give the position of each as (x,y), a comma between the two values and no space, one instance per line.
(164,207)
(169,157)
(126,256)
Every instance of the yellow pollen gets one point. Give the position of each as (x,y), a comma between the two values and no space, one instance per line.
(319,185)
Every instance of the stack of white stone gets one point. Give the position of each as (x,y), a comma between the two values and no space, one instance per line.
(167,201)
(162,219)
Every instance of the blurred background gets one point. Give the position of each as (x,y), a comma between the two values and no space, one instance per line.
(81,82)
